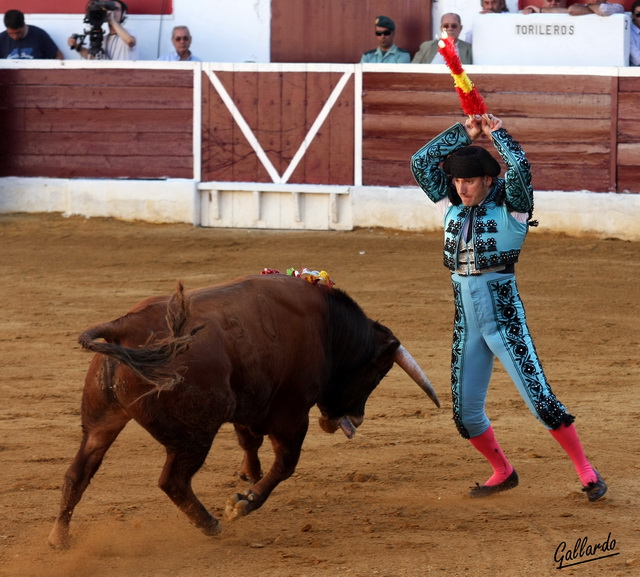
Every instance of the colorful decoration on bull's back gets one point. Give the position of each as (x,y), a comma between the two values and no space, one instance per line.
(472,102)
(312,276)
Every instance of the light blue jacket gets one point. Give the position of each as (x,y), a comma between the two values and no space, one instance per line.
(497,235)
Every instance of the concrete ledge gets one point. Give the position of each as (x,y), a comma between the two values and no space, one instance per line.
(161,201)
(290,207)
(273,187)
(601,214)
(274,206)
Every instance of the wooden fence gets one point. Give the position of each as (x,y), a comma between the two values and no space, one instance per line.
(313,124)
(566,124)
(96,123)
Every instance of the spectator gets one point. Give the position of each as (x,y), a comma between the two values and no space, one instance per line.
(634,51)
(493,6)
(20,41)
(488,7)
(452,25)
(386,52)
(181,40)
(548,7)
(118,43)
(599,7)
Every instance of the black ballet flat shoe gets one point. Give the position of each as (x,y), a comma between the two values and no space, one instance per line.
(595,489)
(511,482)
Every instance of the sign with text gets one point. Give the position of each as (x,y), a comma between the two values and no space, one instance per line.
(551,40)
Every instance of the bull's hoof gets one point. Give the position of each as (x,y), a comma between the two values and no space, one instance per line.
(240,506)
(211,529)
(251,477)
(59,538)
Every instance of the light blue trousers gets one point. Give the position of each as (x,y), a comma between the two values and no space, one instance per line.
(490,322)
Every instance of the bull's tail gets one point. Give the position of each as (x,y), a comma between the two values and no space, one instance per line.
(152,361)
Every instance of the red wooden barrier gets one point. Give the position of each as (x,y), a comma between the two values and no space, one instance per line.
(580,132)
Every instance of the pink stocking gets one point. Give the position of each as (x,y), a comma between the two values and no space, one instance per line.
(567,437)
(487,444)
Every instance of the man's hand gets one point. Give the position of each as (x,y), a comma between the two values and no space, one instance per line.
(490,123)
(473,126)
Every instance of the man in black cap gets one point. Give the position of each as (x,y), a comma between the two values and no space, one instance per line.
(486,220)
(386,52)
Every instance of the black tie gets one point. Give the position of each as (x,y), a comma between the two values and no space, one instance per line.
(472,213)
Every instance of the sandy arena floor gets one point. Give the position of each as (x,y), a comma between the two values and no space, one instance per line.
(390,502)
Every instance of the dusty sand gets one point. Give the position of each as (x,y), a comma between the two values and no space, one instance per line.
(390,502)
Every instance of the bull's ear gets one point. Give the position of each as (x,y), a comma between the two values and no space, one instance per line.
(387,343)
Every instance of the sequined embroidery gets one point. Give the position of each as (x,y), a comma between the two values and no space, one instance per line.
(459,332)
(521,349)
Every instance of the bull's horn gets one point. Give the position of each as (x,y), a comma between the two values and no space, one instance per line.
(412,368)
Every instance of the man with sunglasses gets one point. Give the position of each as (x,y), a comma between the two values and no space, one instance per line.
(386,52)
(181,40)
(634,50)
(452,25)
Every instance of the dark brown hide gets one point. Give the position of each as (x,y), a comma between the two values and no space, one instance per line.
(258,352)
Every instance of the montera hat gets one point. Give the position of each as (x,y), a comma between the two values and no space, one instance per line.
(385,22)
(471,161)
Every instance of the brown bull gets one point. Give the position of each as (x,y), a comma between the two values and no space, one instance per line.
(258,352)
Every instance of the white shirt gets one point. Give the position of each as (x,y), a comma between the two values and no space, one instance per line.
(634,48)
(115,48)
(607,9)
(175,57)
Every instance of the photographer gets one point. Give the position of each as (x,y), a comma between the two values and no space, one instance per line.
(118,43)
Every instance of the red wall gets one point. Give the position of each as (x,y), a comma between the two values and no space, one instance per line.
(78,6)
(580,132)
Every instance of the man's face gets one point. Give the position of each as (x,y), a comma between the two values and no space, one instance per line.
(491,5)
(472,191)
(117,12)
(451,26)
(385,38)
(17,33)
(181,40)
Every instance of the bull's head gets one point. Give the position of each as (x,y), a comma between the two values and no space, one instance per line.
(342,407)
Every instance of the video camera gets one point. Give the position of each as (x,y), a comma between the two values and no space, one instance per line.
(96,14)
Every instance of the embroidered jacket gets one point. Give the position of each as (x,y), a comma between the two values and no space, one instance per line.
(497,235)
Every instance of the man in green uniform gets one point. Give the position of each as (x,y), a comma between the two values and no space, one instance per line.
(386,52)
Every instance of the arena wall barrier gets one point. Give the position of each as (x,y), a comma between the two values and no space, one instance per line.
(303,146)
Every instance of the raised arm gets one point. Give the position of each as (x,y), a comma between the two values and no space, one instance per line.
(121,31)
(425,164)
(599,8)
(518,189)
